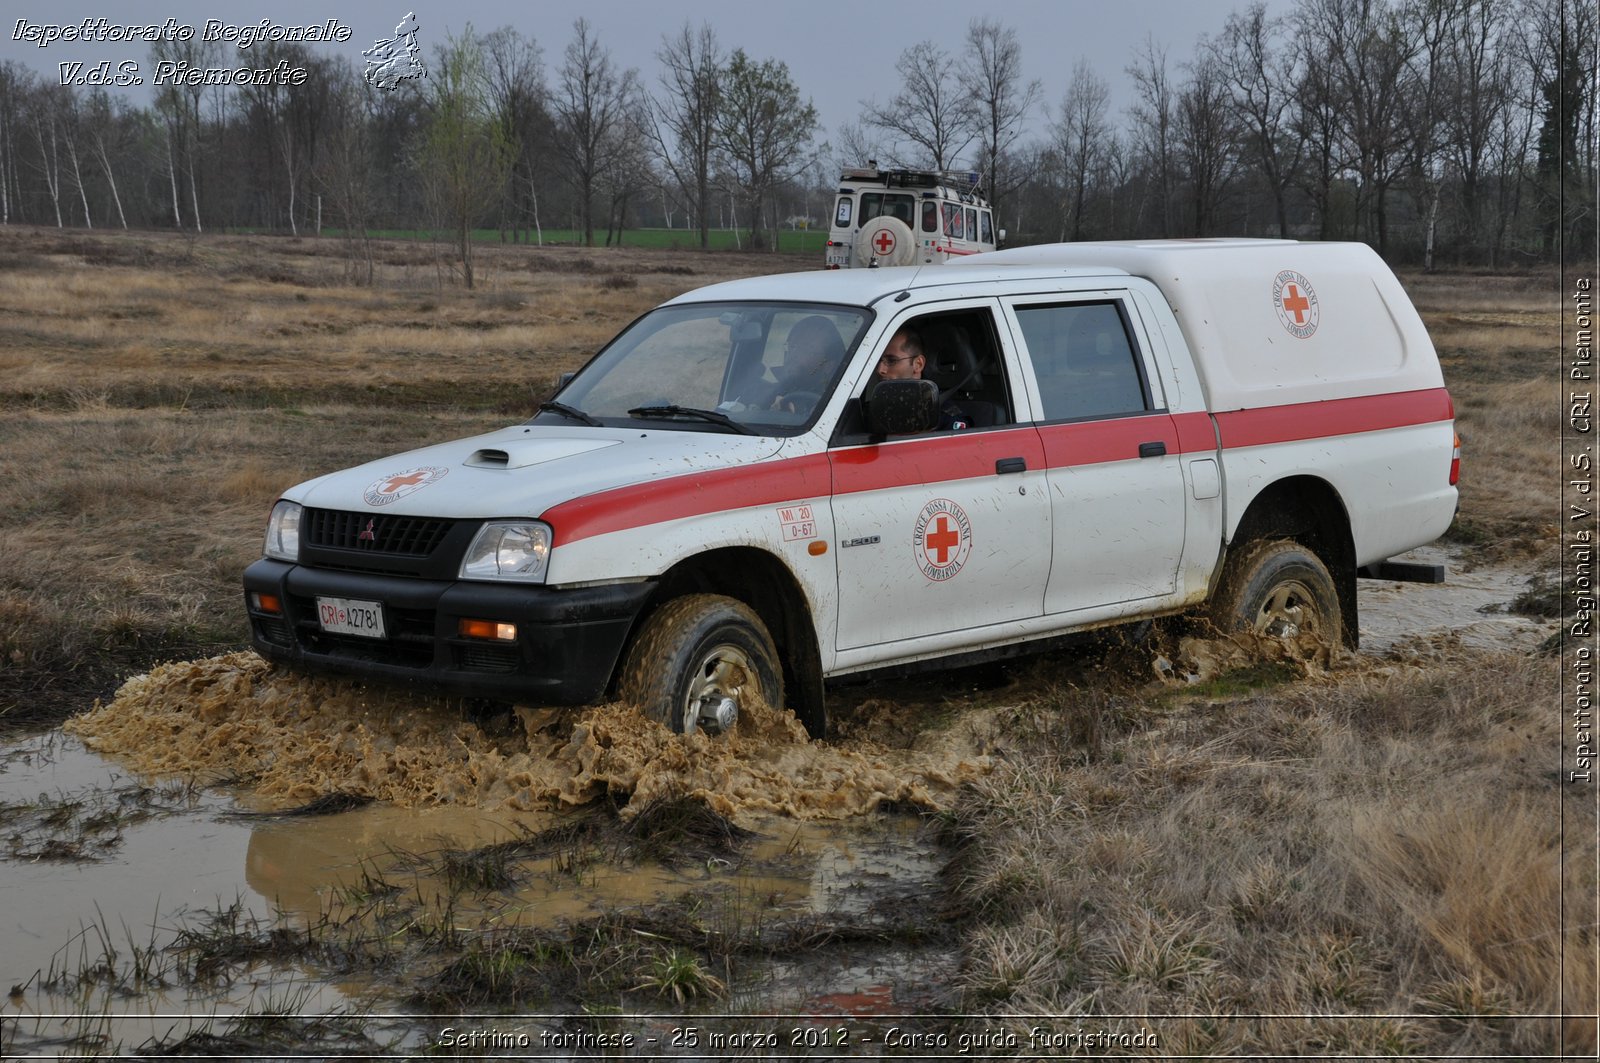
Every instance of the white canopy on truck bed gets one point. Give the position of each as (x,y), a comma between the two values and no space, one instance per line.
(1270,322)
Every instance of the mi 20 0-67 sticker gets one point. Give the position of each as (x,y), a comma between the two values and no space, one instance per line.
(1296,303)
(798,523)
(942,539)
(398,485)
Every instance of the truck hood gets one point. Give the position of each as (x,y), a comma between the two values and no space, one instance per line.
(523,470)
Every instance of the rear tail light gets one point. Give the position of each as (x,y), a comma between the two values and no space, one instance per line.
(1455,461)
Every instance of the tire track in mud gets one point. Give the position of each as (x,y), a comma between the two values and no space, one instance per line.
(294,738)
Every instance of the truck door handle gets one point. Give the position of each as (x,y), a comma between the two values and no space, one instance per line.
(1158,449)
(1005,465)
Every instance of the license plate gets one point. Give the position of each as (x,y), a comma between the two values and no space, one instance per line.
(351,616)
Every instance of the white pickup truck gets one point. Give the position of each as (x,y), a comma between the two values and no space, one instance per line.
(731,499)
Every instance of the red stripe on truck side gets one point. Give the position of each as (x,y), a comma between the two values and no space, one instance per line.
(1333,417)
(1116,439)
(965,455)
(933,459)
(689,495)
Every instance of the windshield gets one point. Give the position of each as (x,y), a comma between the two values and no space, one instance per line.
(742,367)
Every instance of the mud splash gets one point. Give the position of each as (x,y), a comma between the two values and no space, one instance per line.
(1197,659)
(294,739)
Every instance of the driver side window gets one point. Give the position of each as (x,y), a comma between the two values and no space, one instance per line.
(960,352)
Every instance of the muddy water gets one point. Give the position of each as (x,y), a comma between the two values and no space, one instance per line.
(234,717)
(1470,607)
(197,854)
(252,740)
(245,743)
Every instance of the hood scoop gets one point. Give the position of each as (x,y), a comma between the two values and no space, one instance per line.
(519,454)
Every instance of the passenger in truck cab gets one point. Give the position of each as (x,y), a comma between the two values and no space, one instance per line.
(904,359)
(811,353)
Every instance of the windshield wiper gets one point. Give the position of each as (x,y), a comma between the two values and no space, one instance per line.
(690,411)
(569,411)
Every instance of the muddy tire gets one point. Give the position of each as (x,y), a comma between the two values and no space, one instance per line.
(1278,589)
(698,661)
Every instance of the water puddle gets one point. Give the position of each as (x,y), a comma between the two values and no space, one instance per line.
(1469,608)
(177,817)
(178,812)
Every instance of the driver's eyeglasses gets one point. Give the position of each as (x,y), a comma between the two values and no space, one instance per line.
(893,359)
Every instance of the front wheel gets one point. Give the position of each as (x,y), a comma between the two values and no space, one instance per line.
(1278,589)
(698,660)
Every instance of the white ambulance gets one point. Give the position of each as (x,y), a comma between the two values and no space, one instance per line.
(908,218)
(748,490)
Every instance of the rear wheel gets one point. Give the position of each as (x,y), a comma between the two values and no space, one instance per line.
(698,661)
(1278,589)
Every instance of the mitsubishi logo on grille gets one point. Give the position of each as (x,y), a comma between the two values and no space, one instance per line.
(367,535)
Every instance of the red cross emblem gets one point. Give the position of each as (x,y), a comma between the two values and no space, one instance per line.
(397,485)
(394,483)
(943,538)
(883,243)
(1296,303)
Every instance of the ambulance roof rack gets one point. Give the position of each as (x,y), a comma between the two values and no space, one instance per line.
(962,180)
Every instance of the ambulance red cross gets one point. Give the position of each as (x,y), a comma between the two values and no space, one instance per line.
(1237,429)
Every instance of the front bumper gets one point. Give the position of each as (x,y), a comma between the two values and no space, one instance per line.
(567,645)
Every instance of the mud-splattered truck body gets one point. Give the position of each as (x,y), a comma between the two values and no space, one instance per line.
(704,513)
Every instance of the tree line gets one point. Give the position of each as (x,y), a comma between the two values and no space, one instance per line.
(1439,131)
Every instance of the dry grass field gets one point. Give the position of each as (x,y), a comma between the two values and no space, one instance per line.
(160,392)
(1370,859)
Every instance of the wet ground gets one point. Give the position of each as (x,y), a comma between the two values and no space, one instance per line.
(216,797)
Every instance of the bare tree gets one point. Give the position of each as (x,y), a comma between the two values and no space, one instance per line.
(683,119)
(344,171)
(517,94)
(1080,141)
(1153,116)
(1205,140)
(853,148)
(179,107)
(1259,69)
(590,104)
(106,125)
(71,130)
(46,121)
(631,173)
(932,111)
(1479,82)
(1369,51)
(1561,38)
(16,83)
(764,129)
(991,75)
(1316,121)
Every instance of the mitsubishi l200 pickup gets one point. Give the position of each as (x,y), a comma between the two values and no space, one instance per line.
(766,484)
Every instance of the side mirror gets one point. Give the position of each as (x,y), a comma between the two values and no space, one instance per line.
(561,381)
(902,407)
(1000,236)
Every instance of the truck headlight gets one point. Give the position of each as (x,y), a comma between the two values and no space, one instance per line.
(516,550)
(283,531)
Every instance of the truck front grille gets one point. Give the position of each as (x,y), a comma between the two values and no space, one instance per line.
(378,533)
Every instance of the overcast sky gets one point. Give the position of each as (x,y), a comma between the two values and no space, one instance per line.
(839,51)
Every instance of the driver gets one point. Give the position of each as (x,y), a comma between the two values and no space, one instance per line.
(811,353)
(904,359)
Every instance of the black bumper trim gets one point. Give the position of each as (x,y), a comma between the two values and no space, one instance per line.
(568,641)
